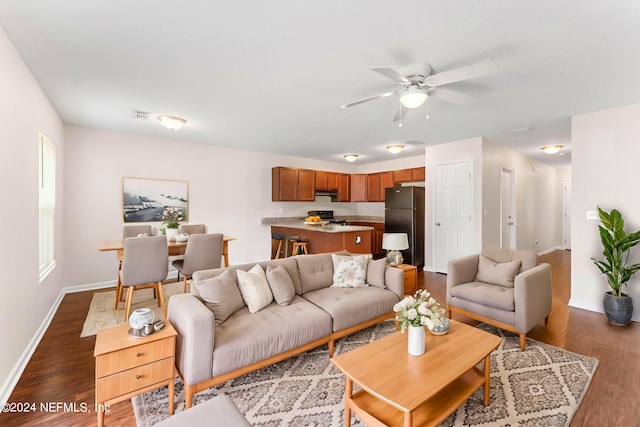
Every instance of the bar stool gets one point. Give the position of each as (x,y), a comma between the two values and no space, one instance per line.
(282,240)
(300,244)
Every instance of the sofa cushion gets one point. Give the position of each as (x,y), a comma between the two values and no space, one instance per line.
(351,306)
(249,338)
(280,284)
(316,271)
(375,272)
(349,271)
(221,295)
(254,288)
(497,273)
(495,296)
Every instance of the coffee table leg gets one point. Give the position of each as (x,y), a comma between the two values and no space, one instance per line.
(487,379)
(348,389)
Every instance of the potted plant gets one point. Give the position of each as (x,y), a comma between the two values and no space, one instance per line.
(617,244)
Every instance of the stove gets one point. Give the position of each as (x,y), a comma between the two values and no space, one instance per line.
(328,216)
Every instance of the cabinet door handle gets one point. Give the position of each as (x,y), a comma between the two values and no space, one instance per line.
(138,377)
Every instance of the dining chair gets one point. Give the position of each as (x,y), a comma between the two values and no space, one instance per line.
(204,251)
(193,228)
(145,264)
(130,231)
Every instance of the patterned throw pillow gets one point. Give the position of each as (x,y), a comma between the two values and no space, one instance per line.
(349,271)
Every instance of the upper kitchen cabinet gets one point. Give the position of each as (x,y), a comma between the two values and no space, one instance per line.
(386,181)
(358,187)
(344,187)
(291,184)
(409,175)
(418,174)
(327,181)
(377,183)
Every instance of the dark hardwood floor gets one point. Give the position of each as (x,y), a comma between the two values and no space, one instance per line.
(61,370)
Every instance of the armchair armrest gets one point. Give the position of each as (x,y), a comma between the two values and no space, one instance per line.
(195,325)
(461,270)
(394,281)
(533,296)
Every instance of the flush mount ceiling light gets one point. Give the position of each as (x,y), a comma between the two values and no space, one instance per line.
(350,157)
(413,97)
(171,122)
(551,149)
(394,149)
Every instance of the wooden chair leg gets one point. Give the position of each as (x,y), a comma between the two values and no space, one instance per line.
(546,321)
(127,307)
(185,284)
(523,340)
(118,287)
(278,250)
(161,298)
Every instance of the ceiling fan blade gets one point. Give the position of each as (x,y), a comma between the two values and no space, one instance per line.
(402,111)
(472,71)
(370,98)
(392,74)
(453,96)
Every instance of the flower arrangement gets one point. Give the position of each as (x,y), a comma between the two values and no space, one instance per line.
(420,309)
(172,216)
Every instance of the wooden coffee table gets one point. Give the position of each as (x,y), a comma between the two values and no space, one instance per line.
(398,389)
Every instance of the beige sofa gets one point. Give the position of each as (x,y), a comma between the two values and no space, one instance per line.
(224,333)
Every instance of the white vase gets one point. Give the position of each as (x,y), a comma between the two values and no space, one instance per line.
(416,340)
(140,317)
(171,234)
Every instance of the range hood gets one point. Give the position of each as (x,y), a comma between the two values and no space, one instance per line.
(335,197)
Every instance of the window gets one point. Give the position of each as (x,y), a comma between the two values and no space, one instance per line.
(47,205)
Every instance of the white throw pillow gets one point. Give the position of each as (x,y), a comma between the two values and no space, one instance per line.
(375,272)
(349,271)
(254,288)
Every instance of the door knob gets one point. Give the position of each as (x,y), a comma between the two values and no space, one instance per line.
(438,224)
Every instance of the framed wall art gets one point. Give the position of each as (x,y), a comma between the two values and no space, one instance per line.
(144,199)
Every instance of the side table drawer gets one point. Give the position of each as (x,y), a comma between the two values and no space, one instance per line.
(127,358)
(133,379)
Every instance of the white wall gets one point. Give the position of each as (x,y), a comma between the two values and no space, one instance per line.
(24,110)
(605,153)
(229,190)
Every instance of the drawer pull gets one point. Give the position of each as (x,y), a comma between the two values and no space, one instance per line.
(138,377)
(138,354)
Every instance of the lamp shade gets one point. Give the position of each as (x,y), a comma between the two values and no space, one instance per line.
(395,241)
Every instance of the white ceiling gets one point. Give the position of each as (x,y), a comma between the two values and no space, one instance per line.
(271,76)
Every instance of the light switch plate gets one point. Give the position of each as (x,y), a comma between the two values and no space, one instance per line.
(592,215)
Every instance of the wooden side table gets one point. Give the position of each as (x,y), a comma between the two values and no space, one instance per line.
(410,278)
(127,366)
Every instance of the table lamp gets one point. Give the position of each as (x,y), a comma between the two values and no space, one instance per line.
(394,243)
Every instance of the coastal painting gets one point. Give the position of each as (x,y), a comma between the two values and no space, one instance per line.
(144,199)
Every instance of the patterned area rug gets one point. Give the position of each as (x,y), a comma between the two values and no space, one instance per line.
(102,315)
(543,385)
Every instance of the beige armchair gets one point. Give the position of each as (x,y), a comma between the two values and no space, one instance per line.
(505,288)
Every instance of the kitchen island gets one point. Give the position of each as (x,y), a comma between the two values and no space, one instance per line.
(329,237)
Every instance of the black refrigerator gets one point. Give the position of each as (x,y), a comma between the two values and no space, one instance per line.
(404,213)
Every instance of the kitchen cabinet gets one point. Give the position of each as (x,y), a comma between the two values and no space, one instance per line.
(376,235)
(373,187)
(418,174)
(344,187)
(358,187)
(291,184)
(386,181)
(356,242)
(409,175)
(326,180)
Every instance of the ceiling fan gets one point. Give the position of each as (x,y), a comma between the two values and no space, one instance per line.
(417,84)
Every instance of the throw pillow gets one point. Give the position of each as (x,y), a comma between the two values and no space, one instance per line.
(221,295)
(254,288)
(281,284)
(349,271)
(375,272)
(498,273)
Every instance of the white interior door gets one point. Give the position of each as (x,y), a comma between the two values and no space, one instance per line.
(566,213)
(507,211)
(453,205)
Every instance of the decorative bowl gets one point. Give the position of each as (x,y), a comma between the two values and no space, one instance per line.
(140,317)
(183,237)
(441,327)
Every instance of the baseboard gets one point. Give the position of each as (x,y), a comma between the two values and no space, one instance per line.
(553,249)
(14,376)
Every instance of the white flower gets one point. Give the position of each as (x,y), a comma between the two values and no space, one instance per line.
(412,313)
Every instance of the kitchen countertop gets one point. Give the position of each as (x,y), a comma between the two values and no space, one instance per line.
(286,221)
(327,228)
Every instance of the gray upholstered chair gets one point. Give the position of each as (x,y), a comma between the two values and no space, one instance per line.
(204,251)
(129,231)
(505,288)
(134,230)
(193,229)
(145,264)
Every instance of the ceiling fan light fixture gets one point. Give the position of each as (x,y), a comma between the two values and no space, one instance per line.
(350,157)
(413,97)
(394,149)
(172,122)
(551,149)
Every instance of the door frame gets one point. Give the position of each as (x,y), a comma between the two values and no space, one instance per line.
(566,214)
(512,183)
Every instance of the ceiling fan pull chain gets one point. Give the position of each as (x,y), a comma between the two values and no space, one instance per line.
(400,114)
(427,107)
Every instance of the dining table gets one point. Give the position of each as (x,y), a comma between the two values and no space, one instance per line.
(174,248)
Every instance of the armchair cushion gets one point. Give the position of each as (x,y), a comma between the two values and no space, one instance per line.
(497,273)
(486,294)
